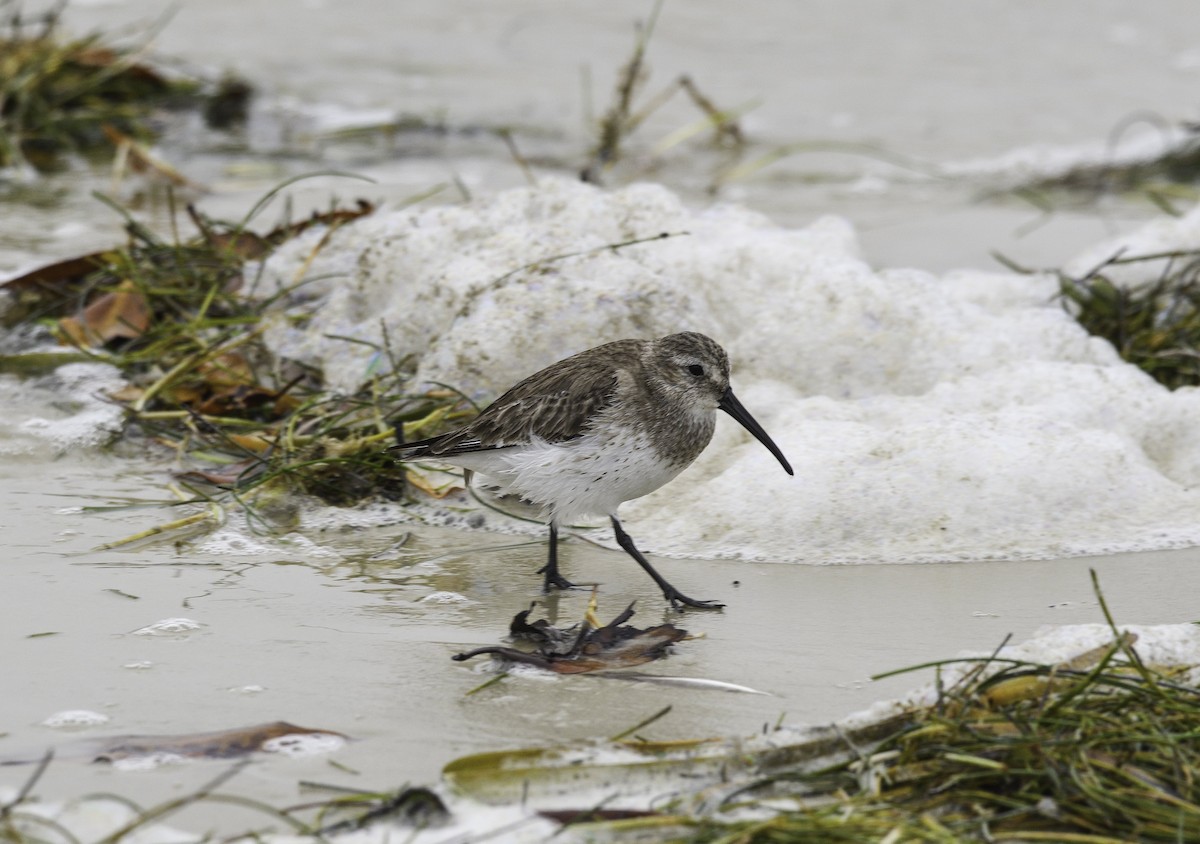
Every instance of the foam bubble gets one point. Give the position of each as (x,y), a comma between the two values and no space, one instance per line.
(169,627)
(232,541)
(75,719)
(149,761)
(64,410)
(304,744)
(446,598)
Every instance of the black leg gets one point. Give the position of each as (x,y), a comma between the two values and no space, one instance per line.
(553,580)
(669,592)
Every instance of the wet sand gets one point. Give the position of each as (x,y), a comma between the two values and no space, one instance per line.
(351,644)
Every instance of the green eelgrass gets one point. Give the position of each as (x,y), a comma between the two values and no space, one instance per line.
(180,319)
(1155,325)
(1095,750)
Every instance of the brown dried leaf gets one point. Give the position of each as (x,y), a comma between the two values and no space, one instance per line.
(220,744)
(426,486)
(226,370)
(57,276)
(121,313)
(333,218)
(127,394)
(245,244)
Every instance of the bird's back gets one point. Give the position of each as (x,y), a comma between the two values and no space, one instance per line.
(554,405)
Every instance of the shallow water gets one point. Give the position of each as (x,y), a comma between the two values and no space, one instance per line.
(353,644)
(313,630)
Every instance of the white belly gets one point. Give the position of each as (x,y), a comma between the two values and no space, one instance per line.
(578,479)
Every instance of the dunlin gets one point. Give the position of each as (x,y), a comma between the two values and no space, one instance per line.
(601,427)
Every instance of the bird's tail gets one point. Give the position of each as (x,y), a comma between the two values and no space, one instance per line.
(418,450)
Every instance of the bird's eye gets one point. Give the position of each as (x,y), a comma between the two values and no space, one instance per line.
(696,369)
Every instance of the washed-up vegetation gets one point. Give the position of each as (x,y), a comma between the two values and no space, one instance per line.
(1100,749)
(182,321)
(61,95)
(1177,164)
(627,112)
(1155,324)
(588,646)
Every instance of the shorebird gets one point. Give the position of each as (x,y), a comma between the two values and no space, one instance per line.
(599,428)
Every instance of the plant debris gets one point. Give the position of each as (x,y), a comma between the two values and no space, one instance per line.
(1101,748)
(1177,164)
(1155,326)
(411,807)
(181,321)
(60,95)
(621,119)
(585,647)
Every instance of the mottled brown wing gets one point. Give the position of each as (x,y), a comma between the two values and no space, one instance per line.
(555,405)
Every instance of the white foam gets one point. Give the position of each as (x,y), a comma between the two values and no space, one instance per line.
(252,689)
(964,416)
(88,819)
(150,761)
(66,410)
(75,719)
(169,627)
(236,541)
(304,744)
(1049,161)
(444,597)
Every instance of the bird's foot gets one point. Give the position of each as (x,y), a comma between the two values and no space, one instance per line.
(554,580)
(678,601)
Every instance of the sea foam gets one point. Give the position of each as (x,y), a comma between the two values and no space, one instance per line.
(963,416)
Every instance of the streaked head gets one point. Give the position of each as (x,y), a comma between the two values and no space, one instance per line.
(691,366)
(696,370)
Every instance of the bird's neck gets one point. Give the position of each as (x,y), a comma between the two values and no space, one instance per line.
(677,430)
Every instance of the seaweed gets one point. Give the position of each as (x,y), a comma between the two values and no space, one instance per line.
(622,118)
(1100,748)
(61,95)
(179,317)
(1153,324)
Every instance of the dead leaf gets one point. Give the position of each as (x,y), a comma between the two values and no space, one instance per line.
(122,313)
(220,744)
(227,386)
(240,242)
(423,483)
(126,394)
(615,645)
(332,218)
(52,290)
(57,276)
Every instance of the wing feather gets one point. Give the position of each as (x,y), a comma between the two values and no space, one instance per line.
(556,405)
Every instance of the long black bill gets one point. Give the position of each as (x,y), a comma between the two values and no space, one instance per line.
(733,407)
